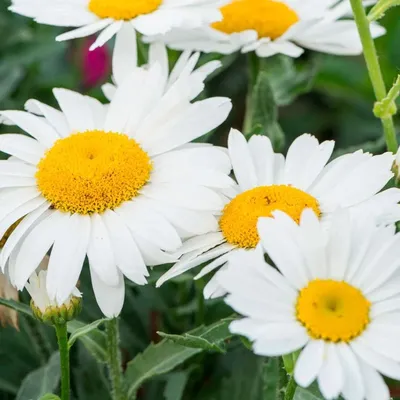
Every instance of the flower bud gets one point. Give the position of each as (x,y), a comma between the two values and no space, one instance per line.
(8,292)
(48,310)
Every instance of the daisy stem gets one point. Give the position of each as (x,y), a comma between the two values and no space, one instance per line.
(290,388)
(62,338)
(374,69)
(114,359)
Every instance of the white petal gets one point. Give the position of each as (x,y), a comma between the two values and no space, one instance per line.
(35,126)
(36,245)
(125,53)
(331,378)
(22,147)
(109,298)
(242,162)
(126,252)
(375,386)
(309,363)
(100,252)
(107,34)
(67,257)
(85,30)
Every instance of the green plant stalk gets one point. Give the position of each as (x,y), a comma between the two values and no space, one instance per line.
(253,65)
(374,69)
(290,388)
(114,359)
(62,338)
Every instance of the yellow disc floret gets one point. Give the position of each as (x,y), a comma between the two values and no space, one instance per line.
(92,171)
(123,9)
(334,311)
(239,217)
(269,18)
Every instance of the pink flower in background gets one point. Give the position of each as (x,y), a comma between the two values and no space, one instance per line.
(95,64)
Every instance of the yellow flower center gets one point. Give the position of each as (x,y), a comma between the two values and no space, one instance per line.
(92,171)
(333,311)
(239,217)
(268,17)
(123,9)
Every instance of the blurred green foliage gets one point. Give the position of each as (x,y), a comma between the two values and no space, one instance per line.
(338,106)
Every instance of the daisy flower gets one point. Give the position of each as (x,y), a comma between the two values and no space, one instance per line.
(268,182)
(42,304)
(119,184)
(149,17)
(124,61)
(334,296)
(271,27)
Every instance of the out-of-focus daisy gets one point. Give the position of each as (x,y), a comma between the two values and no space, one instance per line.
(268,182)
(271,27)
(118,183)
(8,316)
(125,61)
(334,296)
(149,17)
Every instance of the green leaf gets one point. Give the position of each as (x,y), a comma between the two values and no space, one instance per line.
(246,380)
(272,372)
(17,306)
(311,393)
(163,357)
(94,340)
(50,396)
(176,383)
(41,381)
(288,81)
(378,11)
(84,330)
(9,81)
(263,112)
(195,342)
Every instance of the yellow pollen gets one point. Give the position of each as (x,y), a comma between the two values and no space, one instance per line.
(239,217)
(90,172)
(123,9)
(332,310)
(269,18)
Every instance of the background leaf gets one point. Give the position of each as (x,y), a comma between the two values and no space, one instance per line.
(41,381)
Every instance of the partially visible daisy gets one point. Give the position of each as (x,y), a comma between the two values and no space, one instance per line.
(271,27)
(268,182)
(36,287)
(119,184)
(124,61)
(149,17)
(334,297)
(8,316)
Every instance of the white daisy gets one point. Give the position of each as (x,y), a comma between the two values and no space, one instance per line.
(335,295)
(118,183)
(124,61)
(36,287)
(149,17)
(267,182)
(271,27)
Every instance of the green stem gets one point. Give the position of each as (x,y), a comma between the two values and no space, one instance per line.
(290,388)
(374,69)
(114,359)
(253,66)
(62,337)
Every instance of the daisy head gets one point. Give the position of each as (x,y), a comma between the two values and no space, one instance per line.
(333,296)
(48,309)
(125,60)
(271,27)
(118,183)
(149,17)
(267,181)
